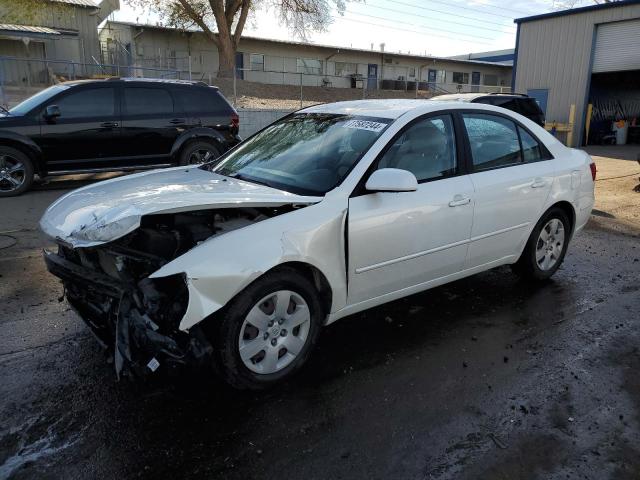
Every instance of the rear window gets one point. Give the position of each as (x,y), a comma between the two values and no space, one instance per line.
(199,100)
(147,101)
(529,107)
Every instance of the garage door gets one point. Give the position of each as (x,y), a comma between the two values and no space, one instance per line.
(617,47)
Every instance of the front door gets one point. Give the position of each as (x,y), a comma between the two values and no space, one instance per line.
(511,186)
(400,240)
(475,81)
(87,132)
(372,76)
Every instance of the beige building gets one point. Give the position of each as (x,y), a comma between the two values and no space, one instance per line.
(289,63)
(584,56)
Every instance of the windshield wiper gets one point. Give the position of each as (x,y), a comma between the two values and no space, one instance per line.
(239,176)
(4,109)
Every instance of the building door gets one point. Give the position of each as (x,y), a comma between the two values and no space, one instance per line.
(475,81)
(372,76)
(540,95)
(432,77)
(240,65)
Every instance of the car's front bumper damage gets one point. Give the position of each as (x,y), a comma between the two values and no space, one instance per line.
(136,322)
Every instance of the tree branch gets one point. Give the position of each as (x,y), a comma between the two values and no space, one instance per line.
(198,19)
(244,13)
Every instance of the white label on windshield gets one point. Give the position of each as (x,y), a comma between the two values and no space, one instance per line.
(365,125)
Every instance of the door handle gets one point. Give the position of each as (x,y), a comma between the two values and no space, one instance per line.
(459,200)
(109,124)
(177,121)
(538,182)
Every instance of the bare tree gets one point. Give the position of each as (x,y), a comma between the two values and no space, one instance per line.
(30,12)
(223,21)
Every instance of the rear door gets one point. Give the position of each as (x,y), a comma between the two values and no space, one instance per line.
(87,132)
(512,173)
(151,122)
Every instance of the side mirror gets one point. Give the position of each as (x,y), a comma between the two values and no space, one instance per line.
(51,112)
(392,180)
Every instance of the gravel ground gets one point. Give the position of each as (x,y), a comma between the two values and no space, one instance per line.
(487,377)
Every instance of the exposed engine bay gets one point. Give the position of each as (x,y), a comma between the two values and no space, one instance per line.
(137,318)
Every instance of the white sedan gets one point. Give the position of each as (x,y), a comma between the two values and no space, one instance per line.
(332,210)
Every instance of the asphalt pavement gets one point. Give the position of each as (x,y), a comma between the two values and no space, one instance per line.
(488,377)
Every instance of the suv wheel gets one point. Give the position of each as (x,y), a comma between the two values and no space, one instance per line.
(197,152)
(16,172)
(268,331)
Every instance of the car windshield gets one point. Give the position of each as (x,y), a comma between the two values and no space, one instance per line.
(304,153)
(32,102)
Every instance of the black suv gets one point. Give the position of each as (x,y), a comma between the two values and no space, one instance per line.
(113,124)
(516,102)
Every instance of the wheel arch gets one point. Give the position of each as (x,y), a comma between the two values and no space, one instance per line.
(30,149)
(197,134)
(569,211)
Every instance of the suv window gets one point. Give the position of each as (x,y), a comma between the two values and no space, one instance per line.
(427,149)
(529,107)
(147,101)
(493,141)
(93,102)
(194,100)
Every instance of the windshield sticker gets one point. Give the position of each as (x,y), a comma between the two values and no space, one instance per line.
(365,125)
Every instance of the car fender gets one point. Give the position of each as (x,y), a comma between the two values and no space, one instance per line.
(221,267)
(199,133)
(13,139)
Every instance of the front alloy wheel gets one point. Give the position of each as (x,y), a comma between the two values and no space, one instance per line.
(16,172)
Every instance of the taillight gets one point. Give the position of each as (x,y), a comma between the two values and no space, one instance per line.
(592,166)
(235,121)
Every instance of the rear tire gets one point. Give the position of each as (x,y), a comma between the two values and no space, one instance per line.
(546,247)
(16,172)
(197,152)
(276,339)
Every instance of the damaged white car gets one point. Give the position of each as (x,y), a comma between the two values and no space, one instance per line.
(332,210)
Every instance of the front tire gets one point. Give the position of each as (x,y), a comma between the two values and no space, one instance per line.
(268,331)
(16,172)
(546,247)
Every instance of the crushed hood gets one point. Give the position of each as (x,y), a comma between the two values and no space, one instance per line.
(108,210)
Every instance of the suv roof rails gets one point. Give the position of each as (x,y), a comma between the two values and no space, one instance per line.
(513,93)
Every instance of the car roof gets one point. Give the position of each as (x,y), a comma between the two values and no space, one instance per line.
(391,109)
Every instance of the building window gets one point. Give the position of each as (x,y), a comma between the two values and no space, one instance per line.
(436,76)
(460,77)
(491,80)
(345,68)
(309,66)
(256,61)
(412,71)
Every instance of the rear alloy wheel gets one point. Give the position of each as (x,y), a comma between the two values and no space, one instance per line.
(198,152)
(16,172)
(546,247)
(268,331)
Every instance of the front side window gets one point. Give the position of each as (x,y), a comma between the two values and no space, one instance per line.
(147,101)
(94,102)
(493,141)
(32,102)
(460,77)
(427,149)
(257,62)
(304,153)
(309,66)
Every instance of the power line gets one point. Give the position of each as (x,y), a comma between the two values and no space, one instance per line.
(415,31)
(421,26)
(500,7)
(448,21)
(420,7)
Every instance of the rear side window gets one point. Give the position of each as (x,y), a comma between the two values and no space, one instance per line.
(493,140)
(529,107)
(531,150)
(147,101)
(198,100)
(94,102)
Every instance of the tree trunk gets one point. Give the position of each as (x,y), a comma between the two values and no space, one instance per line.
(227,57)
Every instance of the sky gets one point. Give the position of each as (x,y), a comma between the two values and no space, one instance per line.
(431,27)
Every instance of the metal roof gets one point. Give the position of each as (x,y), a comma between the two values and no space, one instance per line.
(78,3)
(573,11)
(28,29)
